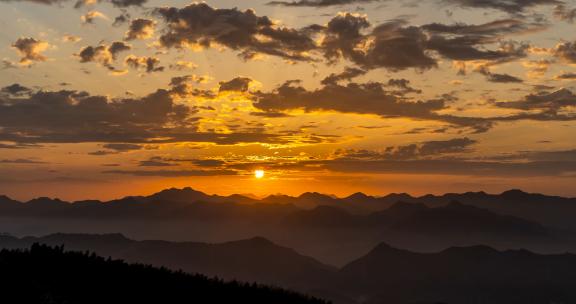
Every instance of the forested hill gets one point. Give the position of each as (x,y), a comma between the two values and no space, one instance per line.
(44,274)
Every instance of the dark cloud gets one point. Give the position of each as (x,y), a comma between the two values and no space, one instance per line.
(81,3)
(121,147)
(16,90)
(499,78)
(103,54)
(124,17)
(547,102)
(140,29)
(566,76)
(566,51)
(403,85)
(390,45)
(238,84)
(148,64)
(563,13)
(270,114)
(74,114)
(435,149)
(448,167)
(346,75)
(153,162)
(509,6)
(13,146)
(319,3)
(200,25)
(208,162)
(361,98)
(25,161)
(173,173)
(30,49)
(68,116)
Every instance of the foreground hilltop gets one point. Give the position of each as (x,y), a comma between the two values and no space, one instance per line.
(44,274)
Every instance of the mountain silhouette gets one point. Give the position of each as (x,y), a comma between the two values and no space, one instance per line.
(44,274)
(476,274)
(386,274)
(452,219)
(256,259)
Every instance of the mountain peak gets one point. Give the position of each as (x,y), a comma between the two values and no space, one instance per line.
(358,196)
(478,250)
(514,193)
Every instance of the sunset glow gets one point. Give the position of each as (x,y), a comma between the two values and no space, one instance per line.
(259,174)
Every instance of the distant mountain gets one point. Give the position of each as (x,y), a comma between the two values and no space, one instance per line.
(323,217)
(51,275)
(450,220)
(477,274)
(550,210)
(255,259)
(458,219)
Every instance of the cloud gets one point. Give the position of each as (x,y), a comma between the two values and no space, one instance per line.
(24,161)
(103,54)
(140,29)
(435,149)
(448,167)
(18,146)
(30,50)
(148,64)
(69,116)
(182,65)
(199,25)
(173,173)
(319,3)
(81,3)
(390,45)
(73,116)
(153,162)
(566,76)
(90,16)
(509,6)
(119,20)
(16,90)
(346,75)
(394,45)
(561,12)
(498,78)
(361,98)
(548,102)
(566,51)
(121,147)
(238,84)
(71,38)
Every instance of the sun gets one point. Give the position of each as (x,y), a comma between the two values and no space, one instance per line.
(259,174)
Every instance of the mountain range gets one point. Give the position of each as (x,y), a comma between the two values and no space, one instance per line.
(332,230)
(460,275)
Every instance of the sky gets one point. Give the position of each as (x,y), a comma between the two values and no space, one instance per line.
(105,98)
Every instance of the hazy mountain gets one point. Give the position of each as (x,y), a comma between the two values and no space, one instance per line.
(51,275)
(477,274)
(333,230)
(255,259)
(452,219)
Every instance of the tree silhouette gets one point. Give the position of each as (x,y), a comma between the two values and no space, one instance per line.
(44,274)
